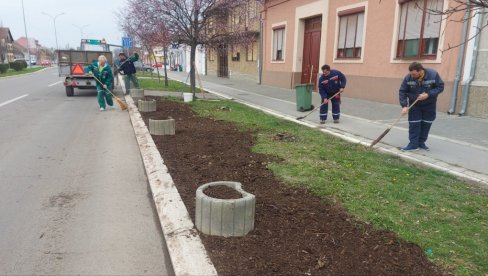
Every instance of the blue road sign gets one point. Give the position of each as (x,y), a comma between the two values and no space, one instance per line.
(127,42)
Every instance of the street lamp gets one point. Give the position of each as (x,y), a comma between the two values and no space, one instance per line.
(54,22)
(81,29)
(26,37)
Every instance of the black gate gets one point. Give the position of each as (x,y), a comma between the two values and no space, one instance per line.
(223,61)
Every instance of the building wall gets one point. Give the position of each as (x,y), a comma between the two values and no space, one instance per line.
(291,14)
(478,92)
(378,73)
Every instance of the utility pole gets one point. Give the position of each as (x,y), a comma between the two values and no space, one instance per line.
(54,22)
(81,30)
(26,37)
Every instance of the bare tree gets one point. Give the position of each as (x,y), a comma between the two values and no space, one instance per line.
(187,22)
(138,21)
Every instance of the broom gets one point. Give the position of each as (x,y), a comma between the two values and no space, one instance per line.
(119,102)
(333,96)
(391,126)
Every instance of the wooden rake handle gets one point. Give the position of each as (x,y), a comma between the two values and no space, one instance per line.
(391,126)
(333,96)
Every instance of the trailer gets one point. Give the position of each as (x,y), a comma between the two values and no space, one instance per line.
(72,63)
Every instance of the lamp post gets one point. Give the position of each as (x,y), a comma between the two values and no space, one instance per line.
(54,22)
(26,37)
(81,29)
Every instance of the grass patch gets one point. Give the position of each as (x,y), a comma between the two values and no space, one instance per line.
(422,205)
(11,72)
(155,84)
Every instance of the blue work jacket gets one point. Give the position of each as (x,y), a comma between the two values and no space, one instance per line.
(332,83)
(411,88)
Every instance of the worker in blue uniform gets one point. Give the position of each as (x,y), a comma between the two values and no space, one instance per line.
(331,82)
(425,85)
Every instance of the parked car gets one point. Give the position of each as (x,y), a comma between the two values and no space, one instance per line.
(46,62)
(142,67)
(158,65)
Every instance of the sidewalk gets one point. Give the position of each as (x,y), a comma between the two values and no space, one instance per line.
(459,145)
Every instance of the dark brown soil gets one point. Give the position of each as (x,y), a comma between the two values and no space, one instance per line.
(222,192)
(296,232)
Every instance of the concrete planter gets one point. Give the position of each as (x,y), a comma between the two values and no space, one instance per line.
(146,105)
(162,127)
(137,93)
(225,217)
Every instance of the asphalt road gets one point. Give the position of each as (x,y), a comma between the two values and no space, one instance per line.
(74,197)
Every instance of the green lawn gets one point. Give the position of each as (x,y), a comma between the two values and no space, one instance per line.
(422,205)
(155,84)
(11,72)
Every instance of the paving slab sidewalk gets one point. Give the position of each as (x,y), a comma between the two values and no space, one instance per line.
(459,145)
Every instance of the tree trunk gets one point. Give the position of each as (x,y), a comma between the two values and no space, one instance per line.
(165,56)
(193,50)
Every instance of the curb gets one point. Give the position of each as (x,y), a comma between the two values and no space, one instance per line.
(463,173)
(187,253)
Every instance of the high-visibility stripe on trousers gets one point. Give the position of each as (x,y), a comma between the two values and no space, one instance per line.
(420,119)
(336,108)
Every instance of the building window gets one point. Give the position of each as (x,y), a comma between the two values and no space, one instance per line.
(251,52)
(278,43)
(350,38)
(419,30)
(236,55)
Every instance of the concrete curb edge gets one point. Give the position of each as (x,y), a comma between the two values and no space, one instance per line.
(187,253)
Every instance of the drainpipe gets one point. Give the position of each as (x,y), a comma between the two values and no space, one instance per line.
(452,107)
(474,58)
(260,58)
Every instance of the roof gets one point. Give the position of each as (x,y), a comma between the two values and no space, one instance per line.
(6,34)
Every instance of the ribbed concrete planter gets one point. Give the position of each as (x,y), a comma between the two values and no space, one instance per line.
(137,93)
(162,127)
(146,105)
(225,217)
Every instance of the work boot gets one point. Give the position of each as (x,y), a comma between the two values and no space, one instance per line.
(424,147)
(336,121)
(322,122)
(409,148)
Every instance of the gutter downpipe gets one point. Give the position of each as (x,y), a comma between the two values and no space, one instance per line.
(474,60)
(452,106)
(260,59)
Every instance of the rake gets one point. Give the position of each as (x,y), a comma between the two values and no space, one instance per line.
(333,96)
(119,102)
(391,126)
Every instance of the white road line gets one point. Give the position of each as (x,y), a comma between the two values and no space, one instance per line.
(53,84)
(13,100)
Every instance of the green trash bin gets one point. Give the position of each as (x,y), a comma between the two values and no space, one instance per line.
(304,96)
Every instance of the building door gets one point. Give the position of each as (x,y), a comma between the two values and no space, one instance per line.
(311,50)
(223,61)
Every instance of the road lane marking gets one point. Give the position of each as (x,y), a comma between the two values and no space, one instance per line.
(53,84)
(13,100)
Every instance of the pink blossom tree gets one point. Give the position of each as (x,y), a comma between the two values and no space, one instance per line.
(192,22)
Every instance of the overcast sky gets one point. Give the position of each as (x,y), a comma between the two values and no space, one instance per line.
(99,15)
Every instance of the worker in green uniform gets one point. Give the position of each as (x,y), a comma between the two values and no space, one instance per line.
(102,71)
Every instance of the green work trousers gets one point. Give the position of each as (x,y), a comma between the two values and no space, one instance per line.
(103,96)
(128,78)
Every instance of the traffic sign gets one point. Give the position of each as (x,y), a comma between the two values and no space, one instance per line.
(127,42)
(92,41)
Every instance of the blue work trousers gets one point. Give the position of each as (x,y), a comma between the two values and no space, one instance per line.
(420,119)
(336,107)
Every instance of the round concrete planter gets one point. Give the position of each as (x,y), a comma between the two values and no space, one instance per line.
(225,217)
(137,93)
(162,127)
(146,105)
